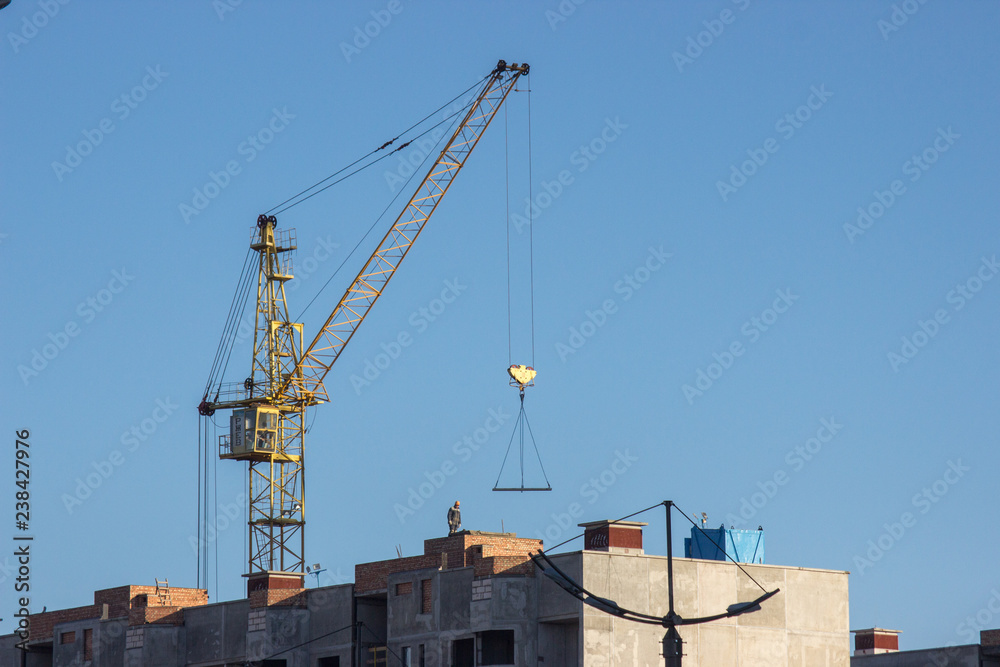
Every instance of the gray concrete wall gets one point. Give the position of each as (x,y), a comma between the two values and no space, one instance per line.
(805,625)
(952,656)
(331,608)
(285,628)
(558,643)
(217,632)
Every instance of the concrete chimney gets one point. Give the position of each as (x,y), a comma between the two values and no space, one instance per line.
(619,537)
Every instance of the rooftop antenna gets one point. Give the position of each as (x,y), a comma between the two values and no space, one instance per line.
(314,570)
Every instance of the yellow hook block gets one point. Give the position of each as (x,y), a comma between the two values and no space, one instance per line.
(524,376)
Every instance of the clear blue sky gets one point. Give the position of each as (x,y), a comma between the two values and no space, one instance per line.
(739,138)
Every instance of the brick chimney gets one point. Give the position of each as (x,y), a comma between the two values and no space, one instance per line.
(875,640)
(619,537)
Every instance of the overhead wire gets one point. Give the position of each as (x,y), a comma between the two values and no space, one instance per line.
(226,334)
(238,304)
(198,522)
(370,164)
(247,284)
(370,153)
(627,516)
(377,220)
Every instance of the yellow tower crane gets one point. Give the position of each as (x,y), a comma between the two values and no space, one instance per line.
(267,423)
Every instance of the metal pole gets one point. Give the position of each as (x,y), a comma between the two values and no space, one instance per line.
(670,557)
(673,645)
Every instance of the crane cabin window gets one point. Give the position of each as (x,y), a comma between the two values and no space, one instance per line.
(254,429)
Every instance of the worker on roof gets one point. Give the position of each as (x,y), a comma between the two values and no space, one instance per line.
(454,519)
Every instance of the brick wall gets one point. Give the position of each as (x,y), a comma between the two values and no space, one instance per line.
(41,625)
(426,596)
(123,599)
(488,553)
(123,602)
(282,597)
(162,615)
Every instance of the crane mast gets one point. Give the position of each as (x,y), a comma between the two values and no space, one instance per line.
(267,425)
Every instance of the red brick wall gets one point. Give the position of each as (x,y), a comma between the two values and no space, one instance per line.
(283,597)
(121,601)
(489,553)
(40,625)
(426,596)
(162,615)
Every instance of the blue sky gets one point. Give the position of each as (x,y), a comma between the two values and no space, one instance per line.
(763,279)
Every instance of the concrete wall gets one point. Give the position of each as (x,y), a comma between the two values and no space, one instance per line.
(284,628)
(330,609)
(216,633)
(559,643)
(805,625)
(952,656)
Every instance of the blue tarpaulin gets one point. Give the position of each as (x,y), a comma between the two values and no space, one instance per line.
(743,546)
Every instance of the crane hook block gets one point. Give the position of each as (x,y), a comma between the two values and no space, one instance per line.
(524,376)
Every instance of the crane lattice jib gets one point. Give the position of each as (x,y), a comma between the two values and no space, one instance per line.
(305,384)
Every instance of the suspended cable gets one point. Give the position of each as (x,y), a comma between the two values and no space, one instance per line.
(370,164)
(531,236)
(520,425)
(223,340)
(198,522)
(373,225)
(370,153)
(510,356)
(248,283)
(238,306)
(215,512)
